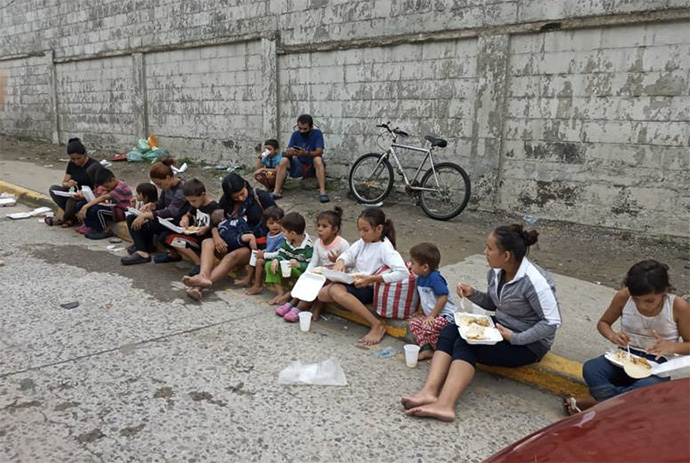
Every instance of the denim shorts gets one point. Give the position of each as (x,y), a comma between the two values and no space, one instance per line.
(298,169)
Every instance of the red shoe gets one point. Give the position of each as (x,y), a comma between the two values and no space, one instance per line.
(83,229)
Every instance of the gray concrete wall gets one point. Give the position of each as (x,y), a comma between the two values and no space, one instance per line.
(566,110)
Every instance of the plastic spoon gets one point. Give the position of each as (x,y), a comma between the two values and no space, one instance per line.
(635,370)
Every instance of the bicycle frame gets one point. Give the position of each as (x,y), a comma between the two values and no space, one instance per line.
(428,155)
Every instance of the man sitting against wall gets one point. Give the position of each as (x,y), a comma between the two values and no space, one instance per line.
(303,158)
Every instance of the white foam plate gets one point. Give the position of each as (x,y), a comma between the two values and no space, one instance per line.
(338,277)
(611,358)
(308,286)
(493,336)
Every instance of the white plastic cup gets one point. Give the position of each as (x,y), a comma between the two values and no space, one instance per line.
(304,321)
(286,268)
(411,355)
(252,259)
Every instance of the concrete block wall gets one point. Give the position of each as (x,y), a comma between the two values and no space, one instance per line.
(597,127)
(95,101)
(586,124)
(427,89)
(206,101)
(27,106)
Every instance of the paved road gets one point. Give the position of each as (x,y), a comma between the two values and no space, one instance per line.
(136,373)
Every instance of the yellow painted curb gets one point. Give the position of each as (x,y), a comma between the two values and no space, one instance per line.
(27,196)
(553,373)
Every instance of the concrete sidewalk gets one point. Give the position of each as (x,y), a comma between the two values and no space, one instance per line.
(559,372)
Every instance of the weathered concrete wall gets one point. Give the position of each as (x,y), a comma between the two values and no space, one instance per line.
(597,127)
(588,123)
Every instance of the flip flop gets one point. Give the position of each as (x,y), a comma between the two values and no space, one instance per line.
(570,406)
(50,221)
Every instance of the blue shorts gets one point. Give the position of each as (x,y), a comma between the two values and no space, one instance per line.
(298,169)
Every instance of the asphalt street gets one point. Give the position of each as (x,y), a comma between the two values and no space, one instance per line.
(137,372)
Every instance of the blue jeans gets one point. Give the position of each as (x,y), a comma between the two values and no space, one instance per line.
(606,380)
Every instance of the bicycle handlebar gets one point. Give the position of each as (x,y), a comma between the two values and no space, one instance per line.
(395,131)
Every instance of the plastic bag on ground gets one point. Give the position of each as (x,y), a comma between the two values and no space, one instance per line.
(326,373)
(134,156)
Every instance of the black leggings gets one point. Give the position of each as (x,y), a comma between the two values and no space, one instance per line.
(68,205)
(144,238)
(503,354)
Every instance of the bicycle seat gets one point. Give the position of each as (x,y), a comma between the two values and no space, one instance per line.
(440,142)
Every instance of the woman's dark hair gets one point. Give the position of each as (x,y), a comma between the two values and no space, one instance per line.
(92,169)
(515,239)
(194,187)
(103,176)
(305,119)
(148,192)
(294,222)
(272,213)
(333,217)
(376,217)
(75,146)
(647,277)
(233,183)
(161,170)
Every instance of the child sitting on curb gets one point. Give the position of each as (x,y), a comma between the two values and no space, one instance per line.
(269,243)
(297,249)
(96,215)
(266,164)
(327,249)
(199,215)
(434,298)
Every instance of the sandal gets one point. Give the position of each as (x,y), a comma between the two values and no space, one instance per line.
(570,406)
(50,221)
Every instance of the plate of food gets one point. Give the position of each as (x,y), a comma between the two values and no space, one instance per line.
(477,329)
(308,286)
(192,230)
(619,357)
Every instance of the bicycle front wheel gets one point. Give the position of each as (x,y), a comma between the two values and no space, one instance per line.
(371,178)
(445,194)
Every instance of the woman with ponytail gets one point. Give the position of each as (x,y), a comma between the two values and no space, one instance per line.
(374,249)
(76,176)
(171,205)
(523,297)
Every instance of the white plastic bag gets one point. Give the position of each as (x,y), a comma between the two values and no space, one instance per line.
(326,373)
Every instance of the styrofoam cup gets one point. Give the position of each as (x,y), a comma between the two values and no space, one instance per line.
(411,355)
(286,268)
(252,259)
(304,321)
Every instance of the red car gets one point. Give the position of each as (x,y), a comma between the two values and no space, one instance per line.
(650,424)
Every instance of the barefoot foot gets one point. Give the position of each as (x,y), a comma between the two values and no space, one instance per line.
(426,355)
(374,336)
(418,399)
(197,281)
(195,293)
(254,290)
(432,411)
(244,282)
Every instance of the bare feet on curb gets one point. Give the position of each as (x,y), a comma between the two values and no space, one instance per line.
(425,355)
(275,300)
(418,399)
(197,281)
(374,336)
(195,293)
(254,290)
(433,410)
(244,282)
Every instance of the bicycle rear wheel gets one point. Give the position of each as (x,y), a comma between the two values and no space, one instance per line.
(446,198)
(371,178)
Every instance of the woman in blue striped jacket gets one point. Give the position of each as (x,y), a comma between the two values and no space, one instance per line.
(523,298)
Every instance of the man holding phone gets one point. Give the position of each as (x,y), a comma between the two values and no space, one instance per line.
(303,158)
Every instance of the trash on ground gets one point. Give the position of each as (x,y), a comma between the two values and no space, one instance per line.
(182,169)
(114,248)
(386,353)
(326,373)
(36,212)
(70,305)
(8,201)
(530,219)
(105,163)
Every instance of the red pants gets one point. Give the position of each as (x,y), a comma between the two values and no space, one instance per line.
(425,334)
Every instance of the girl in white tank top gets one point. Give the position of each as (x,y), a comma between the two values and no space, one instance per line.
(654,324)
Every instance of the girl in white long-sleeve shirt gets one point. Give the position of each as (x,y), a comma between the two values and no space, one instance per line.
(375,249)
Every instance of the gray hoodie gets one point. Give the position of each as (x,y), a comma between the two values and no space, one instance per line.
(526,305)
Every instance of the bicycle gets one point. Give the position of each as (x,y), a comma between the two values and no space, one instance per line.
(443,192)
